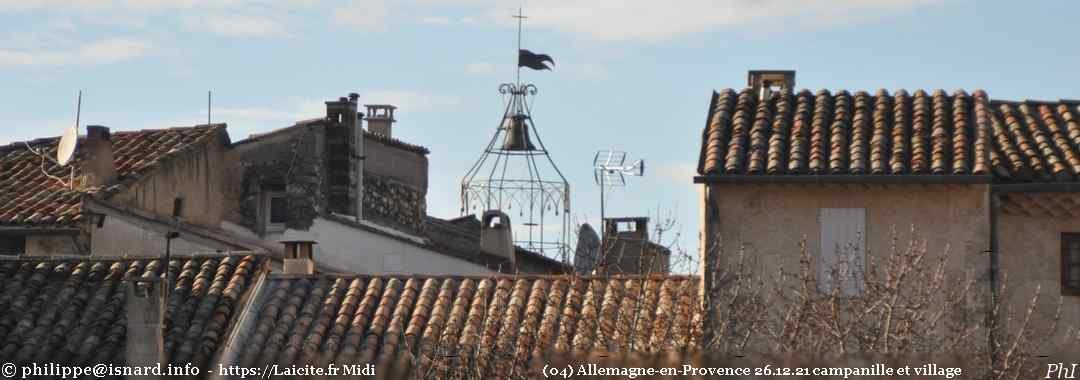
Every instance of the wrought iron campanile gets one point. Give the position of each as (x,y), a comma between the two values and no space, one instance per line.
(516,174)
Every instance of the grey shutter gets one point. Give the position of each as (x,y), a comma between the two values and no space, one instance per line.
(843,247)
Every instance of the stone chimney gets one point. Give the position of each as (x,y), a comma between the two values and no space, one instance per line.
(97,163)
(145,340)
(496,236)
(765,82)
(380,119)
(299,256)
(345,156)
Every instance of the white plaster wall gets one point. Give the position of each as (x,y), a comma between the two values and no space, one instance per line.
(354,250)
(118,237)
(1030,258)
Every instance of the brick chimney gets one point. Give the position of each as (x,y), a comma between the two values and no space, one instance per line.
(145,340)
(97,163)
(380,119)
(496,236)
(299,256)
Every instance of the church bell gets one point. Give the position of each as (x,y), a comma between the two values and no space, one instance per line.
(517,134)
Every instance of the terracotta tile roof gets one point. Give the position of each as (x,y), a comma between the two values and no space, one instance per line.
(29,197)
(441,322)
(71,311)
(846,133)
(884,133)
(1036,141)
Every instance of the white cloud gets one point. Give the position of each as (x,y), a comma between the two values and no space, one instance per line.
(480,68)
(244,121)
(649,20)
(100,52)
(407,100)
(238,26)
(362,15)
(231,18)
(676,172)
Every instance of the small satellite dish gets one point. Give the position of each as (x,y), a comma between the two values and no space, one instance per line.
(70,139)
(66,149)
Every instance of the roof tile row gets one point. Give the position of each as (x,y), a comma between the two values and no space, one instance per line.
(72,311)
(32,188)
(496,323)
(891,134)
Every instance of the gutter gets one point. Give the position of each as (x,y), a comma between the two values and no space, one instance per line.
(21,230)
(907,179)
(1044,187)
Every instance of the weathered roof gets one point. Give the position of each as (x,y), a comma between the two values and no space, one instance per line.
(1036,141)
(460,237)
(453,319)
(28,196)
(843,134)
(318,121)
(72,310)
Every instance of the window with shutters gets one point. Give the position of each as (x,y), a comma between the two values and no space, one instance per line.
(842,258)
(1070,263)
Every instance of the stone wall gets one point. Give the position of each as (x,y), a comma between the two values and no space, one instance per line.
(288,162)
(393,203)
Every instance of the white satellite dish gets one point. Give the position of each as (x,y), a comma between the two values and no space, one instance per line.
(65,151)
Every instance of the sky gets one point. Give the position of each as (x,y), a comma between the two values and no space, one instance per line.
(632,75)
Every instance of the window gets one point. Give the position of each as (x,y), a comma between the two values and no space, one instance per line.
(12,245)
(1070,264)
(278,209)
(275,208)
(841,261)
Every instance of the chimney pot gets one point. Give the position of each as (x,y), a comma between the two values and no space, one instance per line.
(145,321)
(762,82)
(380,118)
(496,235)
(299,256)
(98,160)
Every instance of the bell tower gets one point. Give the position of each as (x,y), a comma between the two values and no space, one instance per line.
(517,176)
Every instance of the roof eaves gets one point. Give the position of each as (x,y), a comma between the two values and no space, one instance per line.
(928,179)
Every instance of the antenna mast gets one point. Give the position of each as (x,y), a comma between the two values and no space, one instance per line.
(208,97)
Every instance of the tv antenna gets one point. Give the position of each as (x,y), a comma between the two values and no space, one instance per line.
(609,170)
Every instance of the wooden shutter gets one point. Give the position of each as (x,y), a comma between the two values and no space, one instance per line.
(843,247)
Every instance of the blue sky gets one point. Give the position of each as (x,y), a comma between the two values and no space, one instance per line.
(630,74)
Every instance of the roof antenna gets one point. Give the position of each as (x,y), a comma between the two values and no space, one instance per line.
(209,94)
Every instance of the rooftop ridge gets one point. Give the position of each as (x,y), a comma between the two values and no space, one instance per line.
(43,140)
(500,276)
